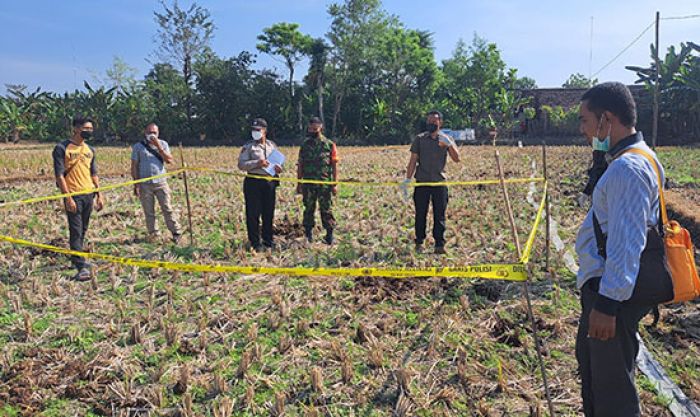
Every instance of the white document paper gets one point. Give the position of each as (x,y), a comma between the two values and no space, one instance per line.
(275,158)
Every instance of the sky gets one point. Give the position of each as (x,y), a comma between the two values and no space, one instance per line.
(56,45)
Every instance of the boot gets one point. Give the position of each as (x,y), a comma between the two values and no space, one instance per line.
(328,240)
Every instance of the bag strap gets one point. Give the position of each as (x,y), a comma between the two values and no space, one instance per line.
(152,151)
(662,200)
(600,237)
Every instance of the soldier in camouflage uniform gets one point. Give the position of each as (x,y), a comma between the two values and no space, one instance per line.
(318,160)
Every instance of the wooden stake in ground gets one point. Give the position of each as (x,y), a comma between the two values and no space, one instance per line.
(546,208)
(655,102)
(511,219)
(526,288)
(550,271)
(187,195)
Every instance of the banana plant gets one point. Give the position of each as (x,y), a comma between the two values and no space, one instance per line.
(679,88)
(13,125)
(668,67)
(689,75)
(98,103)
(508,104)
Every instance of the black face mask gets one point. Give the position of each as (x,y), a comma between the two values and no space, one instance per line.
(85,134)
(432,127)
(313,134)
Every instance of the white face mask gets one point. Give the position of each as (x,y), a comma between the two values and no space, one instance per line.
(256,134)
(601,145)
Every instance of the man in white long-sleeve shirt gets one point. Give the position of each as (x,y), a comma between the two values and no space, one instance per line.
(626,205)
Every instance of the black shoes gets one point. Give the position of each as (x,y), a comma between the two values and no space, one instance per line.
(439,250)
(309,235)
(82,275)
(328,240)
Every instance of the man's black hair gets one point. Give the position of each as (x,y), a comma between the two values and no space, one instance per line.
(78,121)
(436,113)
(614,97)
(315,120)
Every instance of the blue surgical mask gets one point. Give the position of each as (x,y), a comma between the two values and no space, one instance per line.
(601,145)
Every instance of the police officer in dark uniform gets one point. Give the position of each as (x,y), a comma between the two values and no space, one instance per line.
(259,193)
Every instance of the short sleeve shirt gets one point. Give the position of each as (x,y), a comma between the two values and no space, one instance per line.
(148,164)
(76,163)
(252,152)
(431,158)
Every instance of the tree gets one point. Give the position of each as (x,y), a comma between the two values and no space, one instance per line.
(167,88)
(11,120)
(121,75)
(403,84)
(285,40)
(274,108)
(525,83)
(132,110)
(474,82)
(98,103)
(357,26)
(316,77)
(508,105)
(26,114)
(679,87)
(224,94)
(182,34)
(578,80)
(565,121)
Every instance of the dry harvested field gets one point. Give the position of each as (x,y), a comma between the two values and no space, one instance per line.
(247,345)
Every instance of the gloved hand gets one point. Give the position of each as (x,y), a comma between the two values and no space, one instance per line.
(584,201)
(404,188)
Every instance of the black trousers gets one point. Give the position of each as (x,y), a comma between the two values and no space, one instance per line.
(422,196)
(607,367)
(78,224)
(259,202)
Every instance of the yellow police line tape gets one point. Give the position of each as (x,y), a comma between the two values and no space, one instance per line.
(368,183)
(525,258)
(90,191)
(507,272)
(282,179)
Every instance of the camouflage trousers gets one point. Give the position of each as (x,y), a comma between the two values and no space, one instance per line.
(312,193)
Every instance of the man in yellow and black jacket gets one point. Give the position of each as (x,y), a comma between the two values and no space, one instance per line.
(76,171)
